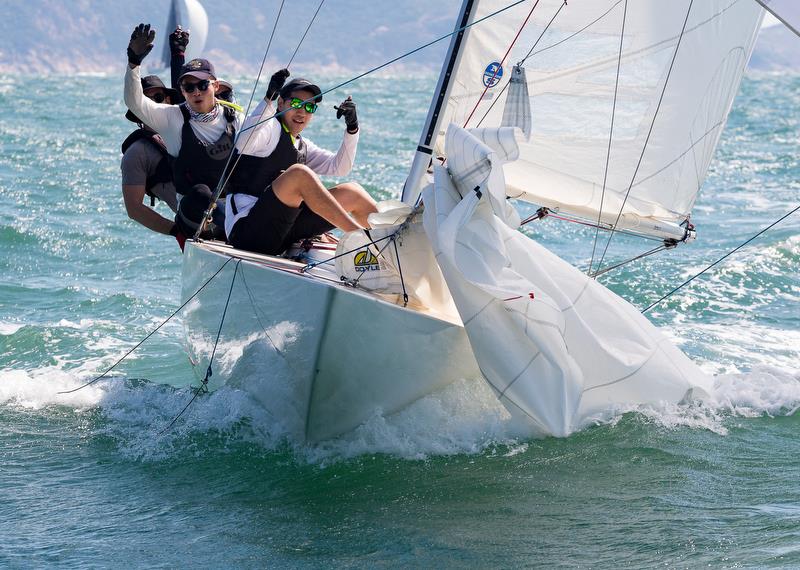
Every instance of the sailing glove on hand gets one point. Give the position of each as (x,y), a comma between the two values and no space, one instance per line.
(275,83)
(178,40)
(347,109)
(141,43)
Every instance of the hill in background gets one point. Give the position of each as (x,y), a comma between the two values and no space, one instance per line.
(58,36)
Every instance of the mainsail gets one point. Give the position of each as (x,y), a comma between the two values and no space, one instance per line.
(190,15)
(628,100)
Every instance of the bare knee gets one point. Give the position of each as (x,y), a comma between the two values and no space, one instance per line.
(300,171)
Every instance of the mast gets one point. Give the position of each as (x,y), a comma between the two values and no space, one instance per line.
(424,154)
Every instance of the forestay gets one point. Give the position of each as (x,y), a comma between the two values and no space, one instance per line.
(557,346)
(639,143)
(787,11)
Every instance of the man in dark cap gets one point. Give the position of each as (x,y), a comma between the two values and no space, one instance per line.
(276,196)
(198,134)
(146,170)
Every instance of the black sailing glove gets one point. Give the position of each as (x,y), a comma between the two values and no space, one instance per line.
(347,109)
(275,83)
(178,40)
(141,43)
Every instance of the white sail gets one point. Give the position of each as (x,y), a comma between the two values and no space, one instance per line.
(787,11)
(189,15)
(680,65)
(556,345)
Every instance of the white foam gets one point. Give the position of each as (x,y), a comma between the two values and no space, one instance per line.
(7,329)
(464,418)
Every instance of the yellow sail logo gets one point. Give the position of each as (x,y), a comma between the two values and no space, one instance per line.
(365,261)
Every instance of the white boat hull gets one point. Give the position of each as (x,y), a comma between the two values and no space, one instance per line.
(330,346)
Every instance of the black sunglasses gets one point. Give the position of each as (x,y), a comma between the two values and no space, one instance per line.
(157,97)
(201,85)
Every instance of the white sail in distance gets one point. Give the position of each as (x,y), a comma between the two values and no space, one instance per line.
(664,73)
(190,15)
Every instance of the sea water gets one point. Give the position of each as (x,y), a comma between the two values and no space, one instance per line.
(87,479)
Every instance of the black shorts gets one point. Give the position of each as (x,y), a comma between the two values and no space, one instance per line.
(271,226)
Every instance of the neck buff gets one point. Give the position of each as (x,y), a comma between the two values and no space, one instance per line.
(203,117)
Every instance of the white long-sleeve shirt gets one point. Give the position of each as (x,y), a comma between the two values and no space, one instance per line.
(262,140)
(167,120)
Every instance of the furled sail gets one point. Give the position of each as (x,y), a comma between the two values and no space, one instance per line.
(557,346)
(628,100)
(787,11)
(190,15)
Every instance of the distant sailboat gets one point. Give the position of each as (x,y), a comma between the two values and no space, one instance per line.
(190,15)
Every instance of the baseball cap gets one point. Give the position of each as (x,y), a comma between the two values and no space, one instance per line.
(300,84)
(199,68)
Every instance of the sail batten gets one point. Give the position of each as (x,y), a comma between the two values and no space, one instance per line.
(572,95)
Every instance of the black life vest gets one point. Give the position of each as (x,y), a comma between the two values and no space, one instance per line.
(198,163)
(254,173)
(163,171)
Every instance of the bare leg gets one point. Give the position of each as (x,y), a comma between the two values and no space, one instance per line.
(300,184)
(356,200)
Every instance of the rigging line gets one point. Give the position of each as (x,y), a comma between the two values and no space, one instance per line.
(149,335)
(204,384)
(583,29)
(258,317)
(530,51)
(502,61)
(224,178)
(399,57)
(314,17)
(696,275)
(309,266)
(632,259)
(610,138)
(649,133)
(503,90)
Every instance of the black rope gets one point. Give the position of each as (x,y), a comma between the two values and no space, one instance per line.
(258,317)
(390,237)
(224,180)
(649,132)
(400,270)
(314,17)
(204,384)
(149,335)
(610,139)
(662,247)
(696,275)
(311,266)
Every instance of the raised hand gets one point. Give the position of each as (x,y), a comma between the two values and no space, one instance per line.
(275,83)
(178,40)
(141,43)
(347,109)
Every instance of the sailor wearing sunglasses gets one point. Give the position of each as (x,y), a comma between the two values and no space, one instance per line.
(198,134)
(275,194)
(145,166)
